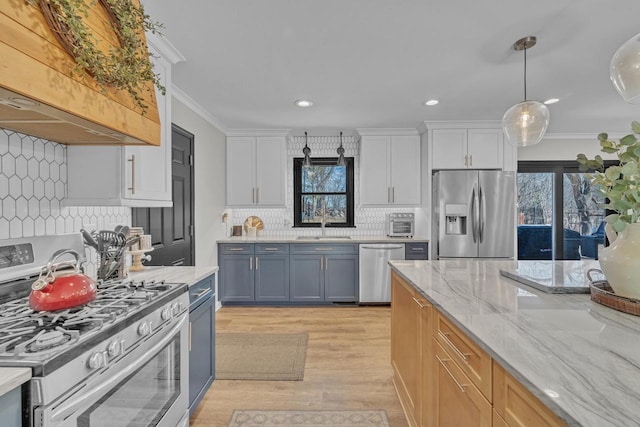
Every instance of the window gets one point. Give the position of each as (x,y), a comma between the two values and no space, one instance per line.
(560,214)
(323,186)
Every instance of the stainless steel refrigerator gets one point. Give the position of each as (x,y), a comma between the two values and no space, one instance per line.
(473,214)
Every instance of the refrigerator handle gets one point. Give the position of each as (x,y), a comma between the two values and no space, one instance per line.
(483,215)
(474,214)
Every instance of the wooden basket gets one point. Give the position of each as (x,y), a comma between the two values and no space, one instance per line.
(602,293)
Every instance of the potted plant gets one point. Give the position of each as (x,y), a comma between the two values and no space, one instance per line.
(620,184)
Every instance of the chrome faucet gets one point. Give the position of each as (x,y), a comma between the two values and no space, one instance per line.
(323,219)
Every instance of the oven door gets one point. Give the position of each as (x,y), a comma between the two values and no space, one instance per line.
(146,388)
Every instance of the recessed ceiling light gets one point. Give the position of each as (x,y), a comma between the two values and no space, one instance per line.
(551,101)
(432,102)
(25,102)
(303,103)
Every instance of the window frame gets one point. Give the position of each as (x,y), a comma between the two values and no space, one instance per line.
(298,193)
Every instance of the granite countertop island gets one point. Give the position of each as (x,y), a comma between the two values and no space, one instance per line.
(580,358)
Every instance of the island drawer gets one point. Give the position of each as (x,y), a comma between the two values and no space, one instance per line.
(416,251)
(272,248)
(517,406)
(323,248)
(472,360)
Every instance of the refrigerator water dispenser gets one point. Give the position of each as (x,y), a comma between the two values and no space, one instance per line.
(455,219)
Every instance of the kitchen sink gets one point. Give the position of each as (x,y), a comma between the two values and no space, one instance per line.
(322,237)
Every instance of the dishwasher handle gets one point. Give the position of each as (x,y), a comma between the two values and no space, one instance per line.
(381,247)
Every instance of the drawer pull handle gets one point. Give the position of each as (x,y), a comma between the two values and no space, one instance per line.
(202,292)
(419,303)
(236,249)
(324,249)
(460,386)
(444,336)
(271,249)
(417,249)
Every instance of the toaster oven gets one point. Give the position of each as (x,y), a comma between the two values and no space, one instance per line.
(400,224)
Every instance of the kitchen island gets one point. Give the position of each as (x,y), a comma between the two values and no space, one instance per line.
(579,359)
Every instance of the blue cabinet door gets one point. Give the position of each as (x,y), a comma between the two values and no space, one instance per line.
(202,333)
(236,278)
(11,408)
(306,278)
(341,278)
(272,278)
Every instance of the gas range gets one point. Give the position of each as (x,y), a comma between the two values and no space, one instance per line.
(132,337)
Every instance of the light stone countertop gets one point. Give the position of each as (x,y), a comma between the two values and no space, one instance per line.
(10,378)
(327,239)
(580,358)
(189,275)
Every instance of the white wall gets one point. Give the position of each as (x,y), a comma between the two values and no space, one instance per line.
(562,149)
(210,172)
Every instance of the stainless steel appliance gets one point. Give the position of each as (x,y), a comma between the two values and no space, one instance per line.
(118,360)
(375,275)
(400,224)
(473,214)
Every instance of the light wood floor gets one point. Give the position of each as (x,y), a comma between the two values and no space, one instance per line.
(347,368)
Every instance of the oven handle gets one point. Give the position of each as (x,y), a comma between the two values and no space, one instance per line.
(69,407)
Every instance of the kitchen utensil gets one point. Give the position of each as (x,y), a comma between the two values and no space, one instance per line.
(253,221)
(114,262)
(88,239)
(57,290)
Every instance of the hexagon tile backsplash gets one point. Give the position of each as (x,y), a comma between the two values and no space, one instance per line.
(33,180)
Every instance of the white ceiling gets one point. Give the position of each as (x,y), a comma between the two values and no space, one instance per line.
(373,63)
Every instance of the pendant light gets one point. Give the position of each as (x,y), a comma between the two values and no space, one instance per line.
(525,123)
(340,151)
(625,70)
(306,150)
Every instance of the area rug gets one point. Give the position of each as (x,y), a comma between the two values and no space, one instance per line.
(254,356)
(376,418)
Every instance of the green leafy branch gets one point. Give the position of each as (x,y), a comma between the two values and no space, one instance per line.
(620,183)
(124,67)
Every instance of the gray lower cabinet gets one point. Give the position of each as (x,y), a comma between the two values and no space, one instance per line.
(11,408)
(324,272)
(202,332)
(271,272)
(283,272)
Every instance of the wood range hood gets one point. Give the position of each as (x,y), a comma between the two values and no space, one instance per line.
(42,95)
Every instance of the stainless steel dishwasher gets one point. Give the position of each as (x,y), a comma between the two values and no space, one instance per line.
(375,275)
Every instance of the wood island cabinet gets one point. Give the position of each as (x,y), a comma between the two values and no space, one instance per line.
(443,378)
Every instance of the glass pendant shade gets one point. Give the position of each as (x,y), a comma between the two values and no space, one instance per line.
(525,123)
(625,70)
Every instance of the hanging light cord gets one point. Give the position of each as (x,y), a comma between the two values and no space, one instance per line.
(525,73)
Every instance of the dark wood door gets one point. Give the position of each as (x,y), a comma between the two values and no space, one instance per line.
(171,229)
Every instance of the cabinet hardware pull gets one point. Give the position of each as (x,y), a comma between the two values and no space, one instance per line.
(271,249)
(250,263)
(202,292)
(257,263)
(321,263)
(417,249)
(326,263)
(189,337)
(460,386)
(236,249)
(393,194)
(445,337)
(133,174)
(388,194)
(324,249)
(257,195)
(419,303)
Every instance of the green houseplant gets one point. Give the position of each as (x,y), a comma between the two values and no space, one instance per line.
(620,184)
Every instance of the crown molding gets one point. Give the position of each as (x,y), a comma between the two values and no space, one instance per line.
(166,49)
(386,131)
(259,132)
(197,108)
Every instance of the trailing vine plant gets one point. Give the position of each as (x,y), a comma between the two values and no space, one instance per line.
(125,67)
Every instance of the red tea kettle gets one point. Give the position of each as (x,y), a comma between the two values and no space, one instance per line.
(57,290)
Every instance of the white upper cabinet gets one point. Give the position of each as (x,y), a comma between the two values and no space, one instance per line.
(458,147)
(389,167)
(256,167)
(136,176)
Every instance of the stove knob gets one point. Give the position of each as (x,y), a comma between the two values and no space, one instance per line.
(114,348)
(175,308)
(96,360)
(166,314)
(144,329)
